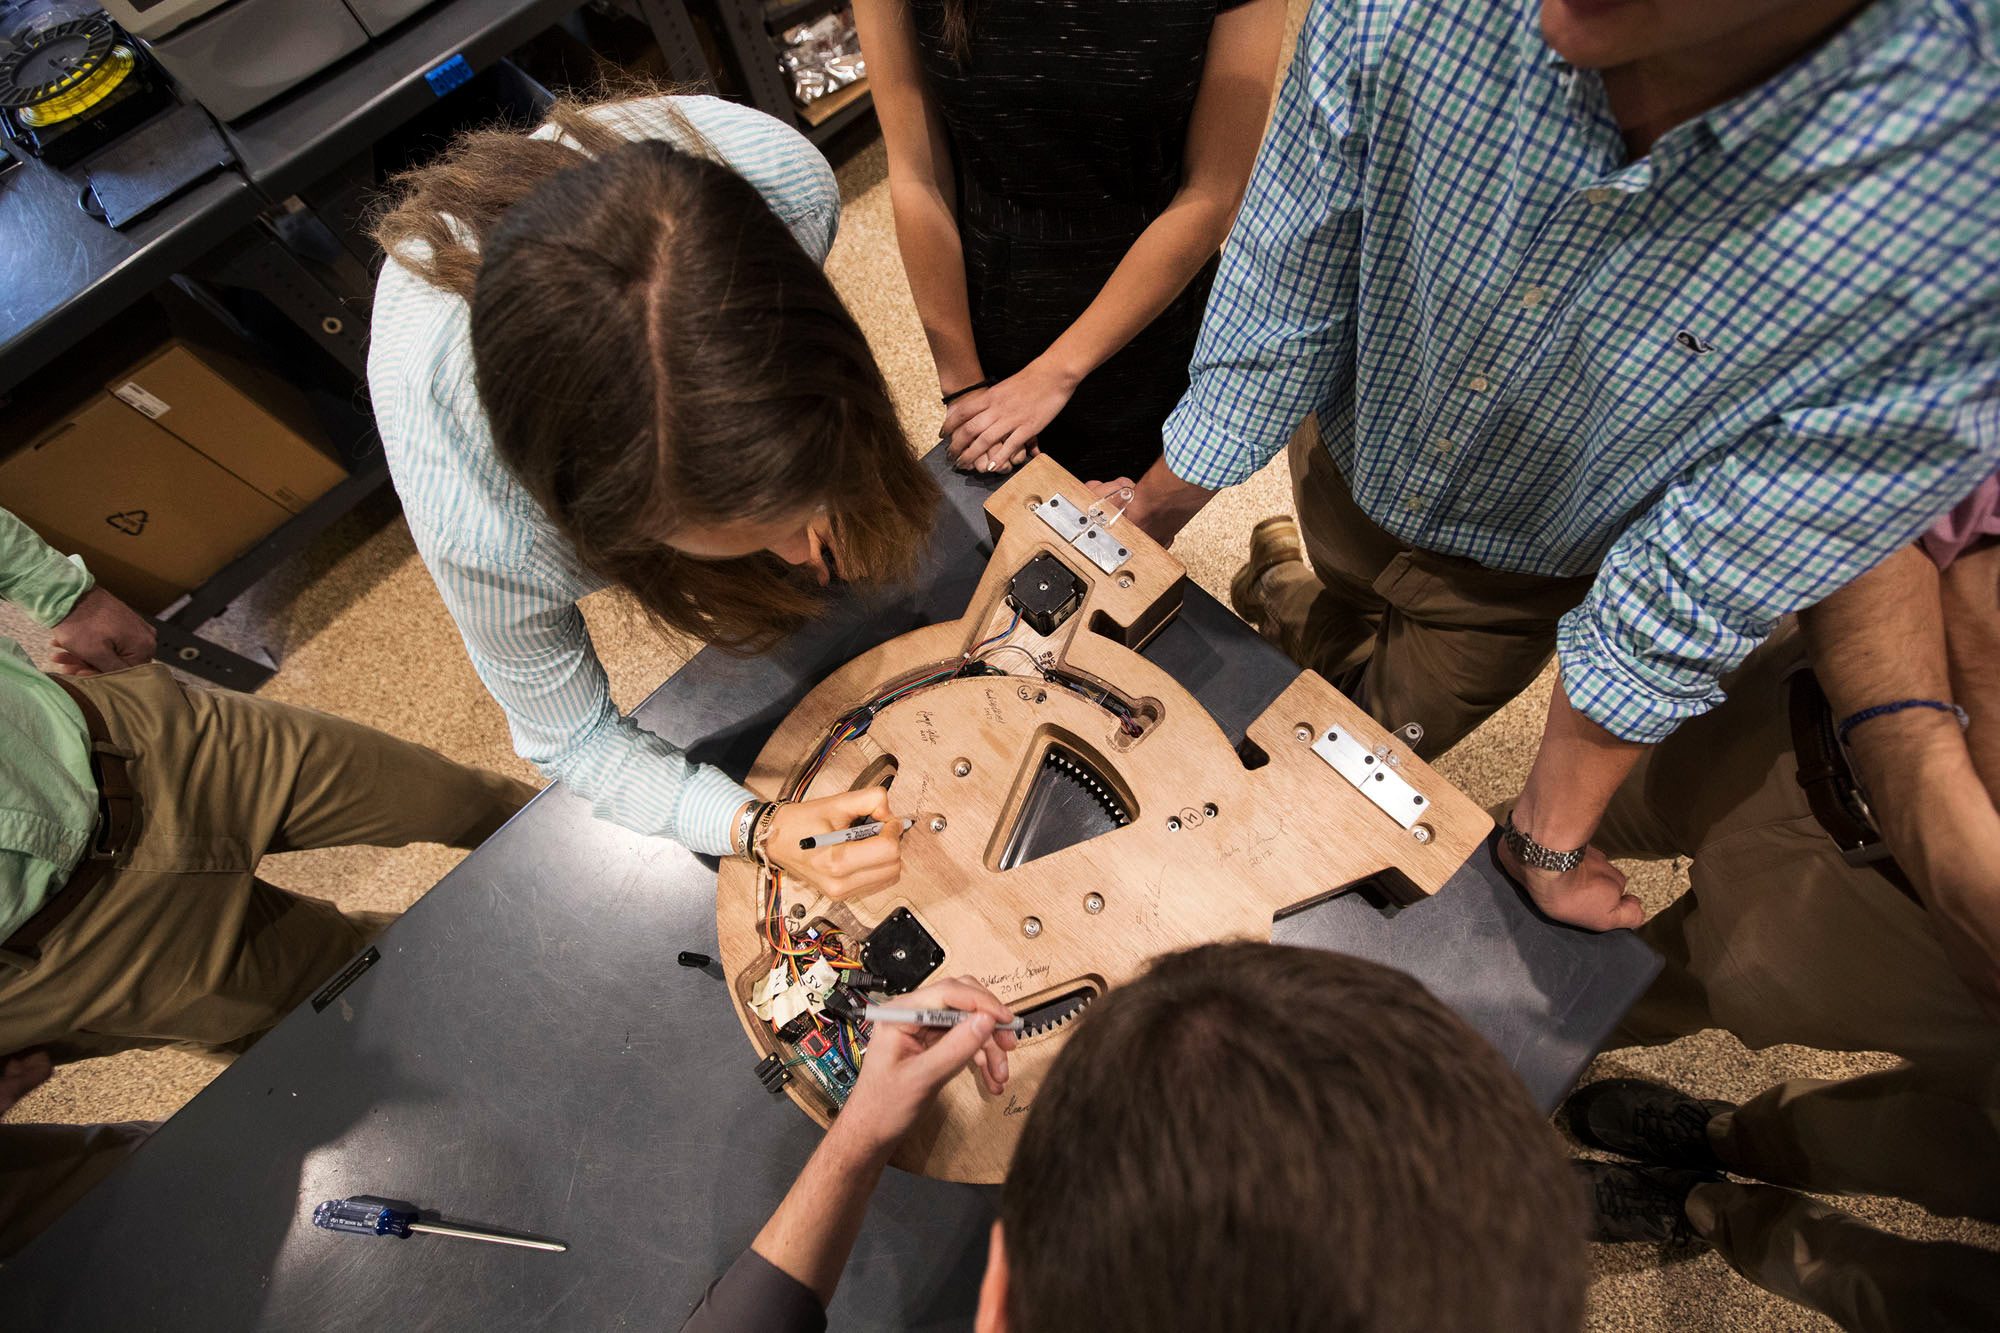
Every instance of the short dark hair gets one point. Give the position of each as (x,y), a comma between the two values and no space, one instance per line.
(1265,1138)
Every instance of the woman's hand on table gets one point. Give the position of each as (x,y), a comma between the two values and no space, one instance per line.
(995,429)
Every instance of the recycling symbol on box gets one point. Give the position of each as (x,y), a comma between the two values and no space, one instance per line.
(131,522)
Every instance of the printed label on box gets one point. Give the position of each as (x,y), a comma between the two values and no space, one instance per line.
(133,396)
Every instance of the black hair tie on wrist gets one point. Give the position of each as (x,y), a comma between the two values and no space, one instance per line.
(957,394)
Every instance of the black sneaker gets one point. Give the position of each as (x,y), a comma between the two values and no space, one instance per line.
(1648,1122)
(1641,1203)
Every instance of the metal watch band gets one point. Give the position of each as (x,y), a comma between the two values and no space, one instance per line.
(1534,854)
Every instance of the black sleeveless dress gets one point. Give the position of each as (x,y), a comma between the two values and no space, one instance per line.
(1067,121)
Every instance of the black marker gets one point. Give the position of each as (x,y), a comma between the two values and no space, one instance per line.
(855,834)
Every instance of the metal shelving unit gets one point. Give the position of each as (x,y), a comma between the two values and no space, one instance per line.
(749,29)
(375,92)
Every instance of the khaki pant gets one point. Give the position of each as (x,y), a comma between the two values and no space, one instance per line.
(1411,635)
(181,944)
(1780,940)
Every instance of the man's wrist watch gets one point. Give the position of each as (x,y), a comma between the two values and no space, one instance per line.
(1534,854)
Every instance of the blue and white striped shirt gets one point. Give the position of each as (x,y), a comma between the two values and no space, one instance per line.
(509,579)
(1722,376)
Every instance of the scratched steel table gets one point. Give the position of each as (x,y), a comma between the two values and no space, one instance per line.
(527,1054)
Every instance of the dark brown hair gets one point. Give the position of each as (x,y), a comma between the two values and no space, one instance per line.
(1267,1139)
(654,351)
(955,28)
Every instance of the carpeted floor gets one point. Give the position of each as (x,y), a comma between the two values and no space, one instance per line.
(358,630)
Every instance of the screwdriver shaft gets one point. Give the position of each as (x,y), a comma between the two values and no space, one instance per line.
(470,1233)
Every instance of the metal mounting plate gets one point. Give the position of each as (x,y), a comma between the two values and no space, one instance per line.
(1074,527)
(1104,550)
(1372,775)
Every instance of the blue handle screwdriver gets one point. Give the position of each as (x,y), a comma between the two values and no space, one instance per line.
(366,1215)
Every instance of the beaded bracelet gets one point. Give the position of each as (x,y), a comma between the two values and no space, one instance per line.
(1883,710)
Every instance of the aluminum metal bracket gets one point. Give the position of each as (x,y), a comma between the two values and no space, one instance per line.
(1372,775)
(1074,527)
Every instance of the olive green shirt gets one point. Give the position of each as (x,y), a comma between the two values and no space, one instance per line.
(48,799)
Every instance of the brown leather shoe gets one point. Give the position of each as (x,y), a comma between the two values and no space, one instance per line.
(1272,542)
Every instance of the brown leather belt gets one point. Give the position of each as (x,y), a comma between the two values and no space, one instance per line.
(117,820)
(1831,792)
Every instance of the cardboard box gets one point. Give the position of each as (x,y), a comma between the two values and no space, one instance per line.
(246,420)
(150,516)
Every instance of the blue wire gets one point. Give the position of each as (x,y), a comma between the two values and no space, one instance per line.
(1012,625)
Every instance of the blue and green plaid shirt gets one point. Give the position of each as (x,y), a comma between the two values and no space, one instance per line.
(1723,376)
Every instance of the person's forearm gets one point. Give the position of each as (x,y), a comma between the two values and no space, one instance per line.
(922,187)
(1153,272)
(934,260)
(811,1234)
(1971,596)
(1936,816)
(1162,503)
(1224,128)
(1880,639)
(1576,771)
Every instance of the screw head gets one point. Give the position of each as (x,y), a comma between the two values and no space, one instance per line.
(1093,903)
(961,767)
(1302,732)
(1173,824)
(1031,926)
(901,955)
(1421,832)
(937,823)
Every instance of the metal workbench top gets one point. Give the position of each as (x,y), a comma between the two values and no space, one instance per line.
(65,273)
(527,1054)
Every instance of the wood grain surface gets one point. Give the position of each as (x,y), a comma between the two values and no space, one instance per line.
(1285,830)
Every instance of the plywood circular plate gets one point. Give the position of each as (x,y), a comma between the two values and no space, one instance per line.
(1214,851)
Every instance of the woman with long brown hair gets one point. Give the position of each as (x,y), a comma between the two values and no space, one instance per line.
(1063,173)
(604,355)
